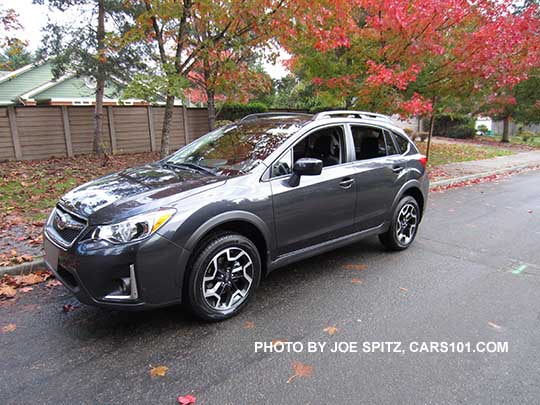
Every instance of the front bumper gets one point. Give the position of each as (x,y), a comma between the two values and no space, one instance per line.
(154,268)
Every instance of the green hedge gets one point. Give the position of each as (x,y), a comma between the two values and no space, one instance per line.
(236,111)
(454,126)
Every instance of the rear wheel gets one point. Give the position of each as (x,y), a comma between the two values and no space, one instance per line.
(224,276)
(404,226)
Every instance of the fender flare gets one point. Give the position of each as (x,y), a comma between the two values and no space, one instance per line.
(228,217)
(413,183)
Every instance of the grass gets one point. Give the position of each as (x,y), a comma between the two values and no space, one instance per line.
(443,153)
(30,189)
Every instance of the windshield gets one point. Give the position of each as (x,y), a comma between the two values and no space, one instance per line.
(234,149)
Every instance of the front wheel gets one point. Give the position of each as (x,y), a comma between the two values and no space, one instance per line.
(404,226)
(224,276)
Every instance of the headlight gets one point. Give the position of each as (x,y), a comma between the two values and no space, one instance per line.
(135,228)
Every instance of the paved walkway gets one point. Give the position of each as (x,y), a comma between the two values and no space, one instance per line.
(491,166)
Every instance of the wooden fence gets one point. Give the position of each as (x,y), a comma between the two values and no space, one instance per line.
(43,132)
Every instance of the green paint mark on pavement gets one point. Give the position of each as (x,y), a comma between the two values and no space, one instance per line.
(519,270)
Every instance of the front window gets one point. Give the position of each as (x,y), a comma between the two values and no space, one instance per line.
(234,149)
(326,144)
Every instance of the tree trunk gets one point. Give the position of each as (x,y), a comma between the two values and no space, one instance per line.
(167,120)
(506,130)
(431,128)
(211,109)
(100,80)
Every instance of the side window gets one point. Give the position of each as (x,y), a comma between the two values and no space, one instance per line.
(283,166)
(402,143)
(326,144)
(369,142)
(390,146)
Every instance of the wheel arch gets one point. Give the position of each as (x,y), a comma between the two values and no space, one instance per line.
(242,222)
(411,188)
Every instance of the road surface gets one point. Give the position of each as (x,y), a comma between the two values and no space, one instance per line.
(473,275)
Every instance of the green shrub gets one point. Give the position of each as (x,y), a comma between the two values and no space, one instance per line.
(454,126)
(236,111)
(527,136)
(483,129)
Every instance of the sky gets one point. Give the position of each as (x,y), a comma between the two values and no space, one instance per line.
(34,17)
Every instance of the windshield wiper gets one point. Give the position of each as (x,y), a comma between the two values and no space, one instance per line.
(191,166)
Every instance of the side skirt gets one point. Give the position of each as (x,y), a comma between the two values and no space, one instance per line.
(324,247)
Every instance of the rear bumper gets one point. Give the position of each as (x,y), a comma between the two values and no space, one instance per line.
(95,275)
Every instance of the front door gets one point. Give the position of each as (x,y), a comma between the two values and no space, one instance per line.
(322,207)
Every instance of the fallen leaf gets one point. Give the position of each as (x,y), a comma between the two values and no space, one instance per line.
(69,307)
(186,399)
(159,371)
(403,289)
(330,330)
(53,283)
(494,325)
(276,342)
(357,281)
(28,279)
(249,325)
(358,267)
(10,327)
(7,291)
(26,289)
(300,370)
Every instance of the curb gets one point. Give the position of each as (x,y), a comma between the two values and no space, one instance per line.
(456,180)
(25,268)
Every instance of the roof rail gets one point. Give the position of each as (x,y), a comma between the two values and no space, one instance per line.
(273,114)
(352,114)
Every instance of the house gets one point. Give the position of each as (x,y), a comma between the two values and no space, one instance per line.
(35,84)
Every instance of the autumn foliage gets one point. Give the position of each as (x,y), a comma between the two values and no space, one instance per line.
(403,56)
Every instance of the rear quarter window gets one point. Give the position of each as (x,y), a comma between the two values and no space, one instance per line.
(402,143)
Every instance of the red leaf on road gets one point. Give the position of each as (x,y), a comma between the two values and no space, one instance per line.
(69,307)
(358,267)
(53,283)
(10,327)
(300,370)
(186,399)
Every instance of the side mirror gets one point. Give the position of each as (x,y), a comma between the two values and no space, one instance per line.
(305,167)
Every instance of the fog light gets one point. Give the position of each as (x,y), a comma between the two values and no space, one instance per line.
(127,289)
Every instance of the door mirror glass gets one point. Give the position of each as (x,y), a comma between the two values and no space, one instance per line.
(305,167)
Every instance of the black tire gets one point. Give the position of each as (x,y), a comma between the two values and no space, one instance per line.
(390,238)
(203,265)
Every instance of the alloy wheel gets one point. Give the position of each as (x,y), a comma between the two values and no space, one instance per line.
(228,278)
(407,221)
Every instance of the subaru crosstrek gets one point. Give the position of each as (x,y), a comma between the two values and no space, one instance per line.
(205,224)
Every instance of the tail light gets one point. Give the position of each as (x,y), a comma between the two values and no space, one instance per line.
(423,160)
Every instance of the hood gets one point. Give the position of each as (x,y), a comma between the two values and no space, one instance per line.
(115,195)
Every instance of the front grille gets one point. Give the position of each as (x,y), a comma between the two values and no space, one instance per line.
(65,227)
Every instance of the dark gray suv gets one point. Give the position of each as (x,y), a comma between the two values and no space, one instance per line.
(204,225)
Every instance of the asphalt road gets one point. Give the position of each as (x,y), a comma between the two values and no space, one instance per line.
(473,275)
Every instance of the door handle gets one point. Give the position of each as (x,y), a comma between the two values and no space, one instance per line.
(397,169)
(346,183)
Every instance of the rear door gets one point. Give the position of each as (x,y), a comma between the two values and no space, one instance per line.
(380,173)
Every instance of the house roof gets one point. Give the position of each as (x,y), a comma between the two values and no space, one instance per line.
(22,81)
